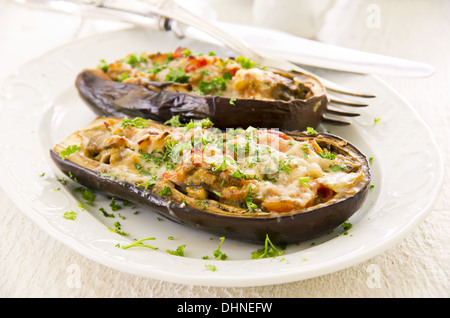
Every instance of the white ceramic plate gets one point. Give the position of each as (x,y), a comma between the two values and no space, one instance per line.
(40,107)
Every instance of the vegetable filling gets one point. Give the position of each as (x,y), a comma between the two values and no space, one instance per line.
(205,75)
(258,170)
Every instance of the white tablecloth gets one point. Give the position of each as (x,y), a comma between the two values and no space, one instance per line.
(33,264)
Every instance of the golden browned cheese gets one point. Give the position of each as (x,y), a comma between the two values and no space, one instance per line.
(205,75)
(257,169)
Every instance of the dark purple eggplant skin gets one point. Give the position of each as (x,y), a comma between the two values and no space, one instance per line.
(281,229)
(110,98)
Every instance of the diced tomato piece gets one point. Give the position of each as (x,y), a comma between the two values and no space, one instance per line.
(279,134)
(169,175)
(233,71)
(178,52)
(324,193)
(194,63)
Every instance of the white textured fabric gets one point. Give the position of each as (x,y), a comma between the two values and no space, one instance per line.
(33,264)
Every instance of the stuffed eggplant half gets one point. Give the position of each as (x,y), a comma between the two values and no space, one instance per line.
(230,92)
(241,184)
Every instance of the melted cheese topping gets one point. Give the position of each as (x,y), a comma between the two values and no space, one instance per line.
(204,75)
(258,170)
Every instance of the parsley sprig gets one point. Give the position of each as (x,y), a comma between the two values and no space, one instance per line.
(246,63)
(69,150)
(140,244)
(218,254)
(216,84)
(137,122)
(203,123)
(179,251)
(177,75)
(267,251)
(87,195)
(174,121)
(249,201)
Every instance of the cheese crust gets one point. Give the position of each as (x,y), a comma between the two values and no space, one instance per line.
(258,170)
(205,75)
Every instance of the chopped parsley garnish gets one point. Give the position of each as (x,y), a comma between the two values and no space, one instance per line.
(106,214)
(132,60)
(328,155)
(117,229)
(169,58)
(238,174)
(217,83)
(165,191)
(249,201)
(177,75)
(204,123)
(148,184)
(346,226)
(103,65)
(87,195)
(283,167)
(70,215)
(186,52)
(267,251)
(156,68)
(63,181)
(310,131)
(139,243)
(211,268)
(305,148)
(68,151)
(178,252)
(169,165)
(245,62)
(336,168)
(109,175)
(202,203)
(123,76)
(174,121)
(152,157)
(218,254)
(137,122)
(304,181)
(222,166)
(114,205)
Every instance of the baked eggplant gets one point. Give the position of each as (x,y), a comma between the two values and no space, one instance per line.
(230,92)
(243,184)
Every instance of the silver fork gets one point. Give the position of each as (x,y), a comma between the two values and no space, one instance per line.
(172,10)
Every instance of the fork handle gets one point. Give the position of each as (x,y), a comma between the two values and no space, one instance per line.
(172,10)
